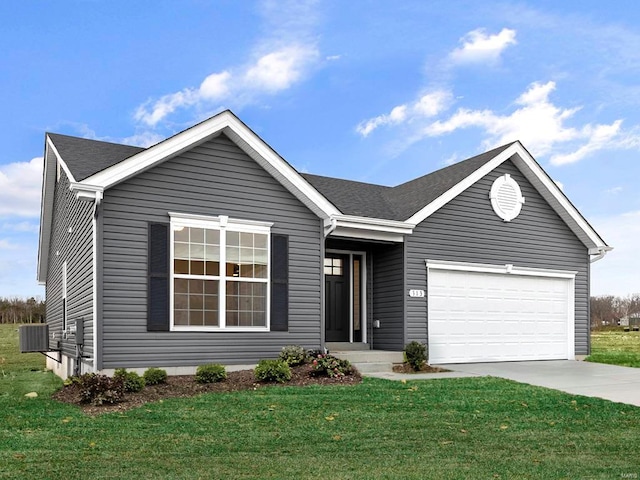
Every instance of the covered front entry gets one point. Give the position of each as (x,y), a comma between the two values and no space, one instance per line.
(344,276)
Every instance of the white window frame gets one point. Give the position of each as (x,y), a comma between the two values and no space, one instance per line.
(223,224)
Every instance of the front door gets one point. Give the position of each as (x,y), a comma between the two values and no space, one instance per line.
(337,297)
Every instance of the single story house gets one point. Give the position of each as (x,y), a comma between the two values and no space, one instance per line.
(210,247)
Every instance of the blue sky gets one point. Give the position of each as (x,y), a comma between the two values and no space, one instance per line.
(375,91)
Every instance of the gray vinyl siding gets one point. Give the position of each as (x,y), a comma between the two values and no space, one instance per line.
(468,230)
(215,178)
(71,240)
(388,297)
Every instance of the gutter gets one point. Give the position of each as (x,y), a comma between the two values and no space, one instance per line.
(599,253)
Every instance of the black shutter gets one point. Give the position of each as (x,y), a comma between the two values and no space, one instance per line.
(158,278)
(279,283)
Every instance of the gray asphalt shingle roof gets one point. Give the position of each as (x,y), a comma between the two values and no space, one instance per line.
(86,157)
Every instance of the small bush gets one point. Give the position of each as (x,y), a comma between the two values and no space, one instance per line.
(328,365)
(155,376)
(313,354)
(273,371)
(131,380)
(293,354)
(100,389)
(211,373)
(415,354)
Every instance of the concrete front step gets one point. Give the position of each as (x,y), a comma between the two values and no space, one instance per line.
(378,367)
(370,356)
(371,361)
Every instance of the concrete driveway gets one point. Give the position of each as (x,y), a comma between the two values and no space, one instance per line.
(618,384)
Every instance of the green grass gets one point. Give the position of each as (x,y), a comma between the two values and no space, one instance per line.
(616,348)
(450,428)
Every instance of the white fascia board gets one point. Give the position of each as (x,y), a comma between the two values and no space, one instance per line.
(557,199)
(46,215)
(268,159)
(499,269)
(351,226)
(60,160)
(375,224)
(228,123)
(457,189)
(360,234)
(538,178)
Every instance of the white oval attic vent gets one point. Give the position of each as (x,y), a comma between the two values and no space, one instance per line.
(506,197)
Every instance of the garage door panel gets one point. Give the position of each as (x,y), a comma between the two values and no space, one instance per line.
(496,317)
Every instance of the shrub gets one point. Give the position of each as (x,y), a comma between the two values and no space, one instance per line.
(131,380)
(328,365)
(100,389)
(273,371)
(293,354)
(313,354)
(155,376)
(210,373)
(415,354)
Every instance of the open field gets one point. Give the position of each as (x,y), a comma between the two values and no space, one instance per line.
(449,428)
(615,347)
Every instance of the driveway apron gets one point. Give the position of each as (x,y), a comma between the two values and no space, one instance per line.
(611,382)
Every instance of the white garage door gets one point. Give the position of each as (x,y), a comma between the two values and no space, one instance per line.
(492,317)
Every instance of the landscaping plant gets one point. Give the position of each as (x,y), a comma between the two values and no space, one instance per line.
(210,373)
(155,376)
(272,371)
(416,354)
(325,364)
(99,389)
(293,354)
(131,380)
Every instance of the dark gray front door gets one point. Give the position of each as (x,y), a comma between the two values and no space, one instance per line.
(337,287)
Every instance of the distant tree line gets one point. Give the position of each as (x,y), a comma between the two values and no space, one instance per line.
(609,310)
(20,310)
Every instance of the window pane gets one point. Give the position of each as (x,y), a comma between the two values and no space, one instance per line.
(197,267)
(260,271)
(233,239)
(181,302)
(196,302)
(246,271)
(181,250)
(211,302)
(181,266)
(181,317)
(181,234)
(260,240)
(180,285)
(233,254)
(246,239)
(246,303)
(212,252)
(196,317)
(232,318)
(212,237)
(212,268)
(211,318)
(196,251)
(211,287)
(196,286)
(197,235)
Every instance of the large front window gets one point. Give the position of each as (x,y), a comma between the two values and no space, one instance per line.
(220,273)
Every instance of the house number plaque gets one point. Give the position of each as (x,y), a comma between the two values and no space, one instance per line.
(416,293)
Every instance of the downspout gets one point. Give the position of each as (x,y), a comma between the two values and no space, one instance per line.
(96,212)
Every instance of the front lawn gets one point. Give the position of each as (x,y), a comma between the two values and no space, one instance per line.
(448,428)
(615,347)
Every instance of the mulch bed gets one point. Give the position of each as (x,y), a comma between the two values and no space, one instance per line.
(183,386)
(426,368)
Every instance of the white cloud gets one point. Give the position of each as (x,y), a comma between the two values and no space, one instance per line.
(428,105)
(20,188)
(537,123)
(332,58)
(617,272)
(279,70)
(480,47)
(613,190)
